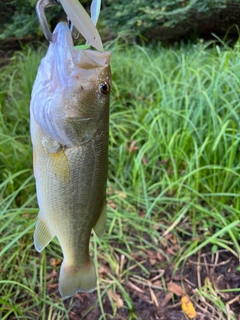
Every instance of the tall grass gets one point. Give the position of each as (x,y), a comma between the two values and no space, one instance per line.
(173,168)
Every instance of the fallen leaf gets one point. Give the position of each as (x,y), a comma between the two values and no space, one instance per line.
(170,251)
(52,285)
(110,190)
(103,270)
(112,204)
(116,297)
(175,288)
(133,146)
(164,161)
(133,286)
(160,257)
(55,262)
(164,243)
(73,316)
(158,283)
(122,194)
(188,308)
(207,282)
(144,160)
(154,298)
(166,299)
(51,275)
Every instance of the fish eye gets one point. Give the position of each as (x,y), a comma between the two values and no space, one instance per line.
(104,87)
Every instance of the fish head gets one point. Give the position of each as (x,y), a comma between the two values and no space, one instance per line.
(86,100)
(76,86)
(90,85)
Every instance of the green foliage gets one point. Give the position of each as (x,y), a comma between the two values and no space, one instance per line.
(15,145)
(138,16)
(133,17)
(20,19)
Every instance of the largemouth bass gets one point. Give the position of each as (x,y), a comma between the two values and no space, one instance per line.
(69,130)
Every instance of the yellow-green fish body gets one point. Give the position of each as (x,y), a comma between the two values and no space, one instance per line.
(69,129)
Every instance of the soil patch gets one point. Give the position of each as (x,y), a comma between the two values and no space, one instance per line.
(204,277)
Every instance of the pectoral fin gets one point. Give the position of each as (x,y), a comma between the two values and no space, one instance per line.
(42,235)
(99,227)
(59,160)
(60,165)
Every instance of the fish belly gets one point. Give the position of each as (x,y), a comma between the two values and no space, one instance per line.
(71,190)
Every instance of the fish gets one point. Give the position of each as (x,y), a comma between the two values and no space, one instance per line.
(69,124)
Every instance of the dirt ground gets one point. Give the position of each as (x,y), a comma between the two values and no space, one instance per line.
(201,279)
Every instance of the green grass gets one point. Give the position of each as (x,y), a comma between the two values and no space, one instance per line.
(174,169)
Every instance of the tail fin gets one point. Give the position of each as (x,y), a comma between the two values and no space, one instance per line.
(72,280)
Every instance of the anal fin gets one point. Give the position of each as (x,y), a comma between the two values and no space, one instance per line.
(100,226)
(42,234)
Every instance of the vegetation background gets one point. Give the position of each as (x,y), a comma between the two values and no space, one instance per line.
(163,19)
(174,171)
